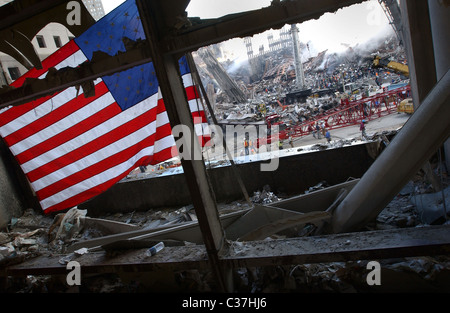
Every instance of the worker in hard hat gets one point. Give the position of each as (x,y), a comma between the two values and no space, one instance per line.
(327,135)
(280,144)
(247,146)
(362,128)
(291,141)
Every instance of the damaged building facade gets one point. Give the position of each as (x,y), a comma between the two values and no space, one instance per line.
(270,240)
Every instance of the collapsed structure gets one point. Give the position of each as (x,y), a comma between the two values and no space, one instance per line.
(273,91)
(341,209)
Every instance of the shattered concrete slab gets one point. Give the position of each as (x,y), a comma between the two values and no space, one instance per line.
(433,208)
(27,238)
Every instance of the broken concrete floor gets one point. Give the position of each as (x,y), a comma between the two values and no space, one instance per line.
(28,237)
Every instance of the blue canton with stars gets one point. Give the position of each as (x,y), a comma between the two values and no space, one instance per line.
(106,35)
(133,85)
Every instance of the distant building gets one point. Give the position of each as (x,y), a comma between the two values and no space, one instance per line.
(95,7)
(258,62)
(46,42)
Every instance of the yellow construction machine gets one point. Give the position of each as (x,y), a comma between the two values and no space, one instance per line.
(392,65)
(406,106)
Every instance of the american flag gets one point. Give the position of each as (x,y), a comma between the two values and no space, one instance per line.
(72,148)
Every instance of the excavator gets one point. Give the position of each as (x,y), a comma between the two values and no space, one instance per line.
(392,65)
(406,105)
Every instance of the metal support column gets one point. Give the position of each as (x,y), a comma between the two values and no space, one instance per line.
(198,81)
(416,142)
(419,139)
(440,24)
(177,107)
(299,73)
(418,39)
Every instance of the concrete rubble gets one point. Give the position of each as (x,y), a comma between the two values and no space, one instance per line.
(267,84)
(173,166)
(267,88)
(265,196)
(33,235)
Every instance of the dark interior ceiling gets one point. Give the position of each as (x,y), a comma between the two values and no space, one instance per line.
(23,19)
(175,34)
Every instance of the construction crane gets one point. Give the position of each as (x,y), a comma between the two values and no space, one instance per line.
(400,68)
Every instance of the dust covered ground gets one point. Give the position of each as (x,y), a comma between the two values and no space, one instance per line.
(29,236)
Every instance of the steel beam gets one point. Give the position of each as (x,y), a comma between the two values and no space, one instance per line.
(169,77)
(197,79)
(189,232)
(416,33)
(280,13)
(18,11)
(183,41)
(368,245)
(440,24)
(23,19)
(102,64)
(421,136)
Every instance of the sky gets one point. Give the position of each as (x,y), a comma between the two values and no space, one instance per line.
(333,31)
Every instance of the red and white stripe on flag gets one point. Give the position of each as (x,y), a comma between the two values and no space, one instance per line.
(72,148)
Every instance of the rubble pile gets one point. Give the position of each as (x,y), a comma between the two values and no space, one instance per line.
(410,274)
(27,238)
(34,234)
(319,186)
(268,84)
(265,196)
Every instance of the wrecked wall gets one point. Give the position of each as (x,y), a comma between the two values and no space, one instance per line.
(11,197)
(294,175)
